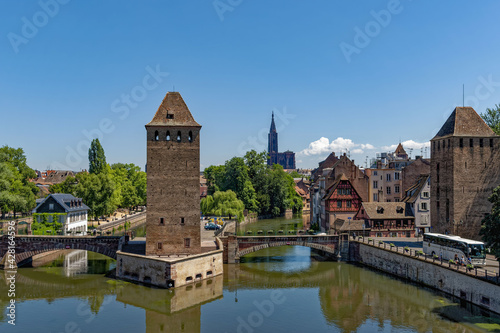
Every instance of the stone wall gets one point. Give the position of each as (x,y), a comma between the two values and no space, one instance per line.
(168,272)
(466,287)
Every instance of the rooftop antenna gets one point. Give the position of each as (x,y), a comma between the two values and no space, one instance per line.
(463,95)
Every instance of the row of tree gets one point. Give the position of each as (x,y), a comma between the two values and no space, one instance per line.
(106,187)
(263,190)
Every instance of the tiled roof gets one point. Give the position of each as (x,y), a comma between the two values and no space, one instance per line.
(342,225)
(386,210)
(333,187)
(415,189)
(65,201)
(400,150)
(173,111)
(464,121)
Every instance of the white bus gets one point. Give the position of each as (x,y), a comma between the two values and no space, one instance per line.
(447,246)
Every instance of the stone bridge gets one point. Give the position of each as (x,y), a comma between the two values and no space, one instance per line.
(238,246)
(28,246)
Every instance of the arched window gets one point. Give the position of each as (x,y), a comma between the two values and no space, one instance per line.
(168,136)
(179,136)
(190,138)
(156,136)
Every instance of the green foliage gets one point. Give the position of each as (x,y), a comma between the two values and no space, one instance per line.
(97,158)
(490,229)
(264,190)
(295,174)
(130,184)
(492,118)
(223,204)
(51,222)
(17,193)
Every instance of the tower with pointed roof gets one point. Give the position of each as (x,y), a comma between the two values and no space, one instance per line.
(465,168)
(173,172)
(272,146)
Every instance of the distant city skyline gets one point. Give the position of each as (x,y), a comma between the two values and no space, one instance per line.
(339,76)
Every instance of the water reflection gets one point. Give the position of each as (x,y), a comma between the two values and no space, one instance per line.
(314,296)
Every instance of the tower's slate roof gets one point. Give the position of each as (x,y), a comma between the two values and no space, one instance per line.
(464,121)
(173,111)
(400,150)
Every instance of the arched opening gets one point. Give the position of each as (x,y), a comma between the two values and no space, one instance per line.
(190,137)
(156,136)
(167,137)
(189,279)
(179,136)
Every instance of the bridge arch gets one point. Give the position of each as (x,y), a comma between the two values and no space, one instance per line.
(331,250)
(28,246)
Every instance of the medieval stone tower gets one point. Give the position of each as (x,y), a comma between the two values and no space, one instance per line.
(465,168)
(173,180)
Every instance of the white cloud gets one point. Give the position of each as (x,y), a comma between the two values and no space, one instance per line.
(406,145)
(323,145)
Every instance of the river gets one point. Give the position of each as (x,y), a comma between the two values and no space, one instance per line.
(283,289)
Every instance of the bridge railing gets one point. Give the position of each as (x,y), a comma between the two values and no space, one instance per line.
(475,271)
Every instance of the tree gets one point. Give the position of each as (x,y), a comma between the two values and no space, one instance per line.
(17,193)
(492,118)
(490,225)
(130,184)
(215,176)
(97,158)
(223,204)
(98,191)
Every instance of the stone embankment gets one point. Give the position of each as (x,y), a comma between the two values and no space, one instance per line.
(477,286)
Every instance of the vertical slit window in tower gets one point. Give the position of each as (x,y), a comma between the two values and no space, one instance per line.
(471,142)
(156,135)
(162,221)
(187,242)
(190,136)
(182,220)
(159,246)
(179,136)
(481,143)
(461,143)
(491,143)
(167,137)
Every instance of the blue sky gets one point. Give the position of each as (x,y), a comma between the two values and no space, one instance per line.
(338,74)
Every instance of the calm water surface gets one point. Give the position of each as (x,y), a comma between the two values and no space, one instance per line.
(285,289)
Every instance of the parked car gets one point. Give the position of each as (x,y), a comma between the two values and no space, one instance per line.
(212,226)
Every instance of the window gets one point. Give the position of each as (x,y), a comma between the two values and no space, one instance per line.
(348,204)
(162,221)
(187,242)
(159,246)
(448,143)
(170,116)
(423,205)
(396,199)
(388,190)
(51,206)
(471,142)
(156,136)
(190,137)
(481,143)
(396,176)
(388,177)
(167,137)
(182,220)
(375,196)
(348,191)
(491,143)
(179,136)
(396,188)
(425,194)
(461,143)
(375,184)
(374,173)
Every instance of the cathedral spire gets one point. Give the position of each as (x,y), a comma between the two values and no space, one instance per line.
(273,126)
